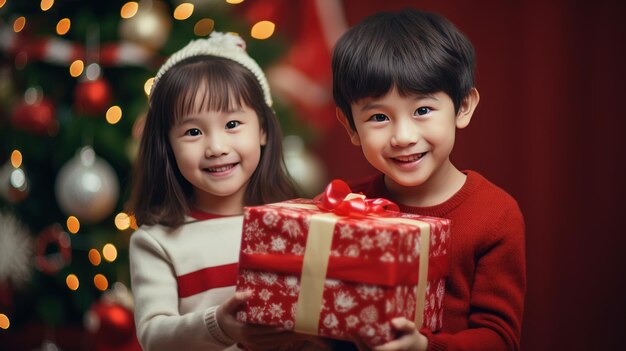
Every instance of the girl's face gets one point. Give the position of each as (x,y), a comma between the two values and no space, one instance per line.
(217,152)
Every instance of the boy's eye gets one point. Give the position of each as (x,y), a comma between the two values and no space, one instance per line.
(232,124)
(379,117)
(193,132)
(422,111)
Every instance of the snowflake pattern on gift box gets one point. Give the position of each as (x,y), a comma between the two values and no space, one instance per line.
(347,307)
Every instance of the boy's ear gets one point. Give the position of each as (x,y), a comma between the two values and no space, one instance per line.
(466,110)
(354,136)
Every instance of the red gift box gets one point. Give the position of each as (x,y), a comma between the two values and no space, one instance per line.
(341,266)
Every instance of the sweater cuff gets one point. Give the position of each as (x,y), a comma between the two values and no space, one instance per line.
(434,343)
(210,319)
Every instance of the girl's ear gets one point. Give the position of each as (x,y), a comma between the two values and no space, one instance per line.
(263,137)
(466,110)
(354,136)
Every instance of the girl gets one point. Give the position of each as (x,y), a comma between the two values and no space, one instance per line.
(211,144)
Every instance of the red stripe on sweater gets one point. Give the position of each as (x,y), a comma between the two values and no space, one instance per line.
(207,279)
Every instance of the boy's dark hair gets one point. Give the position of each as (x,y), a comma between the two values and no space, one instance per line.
(416,52)
(161,195)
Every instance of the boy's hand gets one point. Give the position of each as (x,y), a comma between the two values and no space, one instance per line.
(411,339)
(252,337)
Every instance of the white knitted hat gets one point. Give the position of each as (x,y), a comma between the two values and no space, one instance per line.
(226,45)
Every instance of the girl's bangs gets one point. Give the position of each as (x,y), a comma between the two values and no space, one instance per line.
(206,88)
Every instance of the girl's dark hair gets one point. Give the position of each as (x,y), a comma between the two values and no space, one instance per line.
(161,195)
(416,52)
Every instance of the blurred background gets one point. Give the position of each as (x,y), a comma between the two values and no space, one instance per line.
(73,81)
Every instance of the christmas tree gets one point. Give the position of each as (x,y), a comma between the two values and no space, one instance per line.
(74,77)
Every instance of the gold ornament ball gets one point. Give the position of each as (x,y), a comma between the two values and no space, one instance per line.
(150,27)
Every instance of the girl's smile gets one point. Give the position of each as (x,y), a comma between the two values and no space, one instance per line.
(221,170)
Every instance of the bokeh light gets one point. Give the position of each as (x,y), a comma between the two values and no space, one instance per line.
(63,26)
(234,2)
(76,68)
(73,224)
(94,257)
(147,86)
(203,27)
(262,30)
(72,282)
(109,251)
(16,158)
(46,4)
(114,114)
(4,321)
(183,11)
(101,282)
(122,221)
(129,9)
(19,24)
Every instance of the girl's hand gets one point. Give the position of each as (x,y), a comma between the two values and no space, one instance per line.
(411,339)
(253,337)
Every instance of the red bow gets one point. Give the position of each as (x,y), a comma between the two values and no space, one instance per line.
(333,199)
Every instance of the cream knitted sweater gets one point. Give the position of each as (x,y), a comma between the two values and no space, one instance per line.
(166,320)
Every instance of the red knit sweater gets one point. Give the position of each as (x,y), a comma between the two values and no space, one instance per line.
(485,288)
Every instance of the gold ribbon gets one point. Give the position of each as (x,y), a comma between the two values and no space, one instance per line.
(315,264)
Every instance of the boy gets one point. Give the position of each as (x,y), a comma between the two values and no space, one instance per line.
(403,83)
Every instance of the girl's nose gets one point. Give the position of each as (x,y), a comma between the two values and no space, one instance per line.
(216,147)
(405,133)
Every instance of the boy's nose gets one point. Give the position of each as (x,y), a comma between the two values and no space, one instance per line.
(405,134)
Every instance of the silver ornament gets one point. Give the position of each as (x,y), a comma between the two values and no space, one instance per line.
(87,187)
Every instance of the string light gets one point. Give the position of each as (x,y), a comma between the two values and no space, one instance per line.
(122,221)
(262,30)
(129,9)
(19,24)
(109,252)
(46,4)
(203,27)
(4,320)
(72,282)
(94,257)
(183,11)
(73,224)
(101,282)
(114,114)
(76,68)
(16,158)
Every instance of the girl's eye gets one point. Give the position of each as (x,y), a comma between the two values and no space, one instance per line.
(379,117)
(232,124)
(193,132)
(422,111)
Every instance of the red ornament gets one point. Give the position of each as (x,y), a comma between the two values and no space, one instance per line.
(37,117)
(92,97)
(111,324)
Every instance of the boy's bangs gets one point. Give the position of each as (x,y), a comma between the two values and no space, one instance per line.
(221,92)
(400,70)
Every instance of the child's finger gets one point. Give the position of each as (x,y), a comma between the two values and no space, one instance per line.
(239,298)
(402,324)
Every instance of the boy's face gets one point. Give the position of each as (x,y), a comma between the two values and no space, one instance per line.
(408,138)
